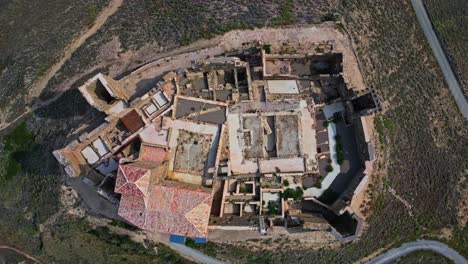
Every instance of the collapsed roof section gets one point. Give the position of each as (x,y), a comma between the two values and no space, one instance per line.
(217,125)
(126,126)
(271,137)
(105,94)
(199,110)
(219,79)
(193,150)
(299,66)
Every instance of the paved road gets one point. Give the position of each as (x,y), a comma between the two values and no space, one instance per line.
(194,254)
(407,248)
(444,64)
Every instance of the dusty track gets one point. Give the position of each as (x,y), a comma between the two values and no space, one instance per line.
(21,253)
(39,85)
(182,57)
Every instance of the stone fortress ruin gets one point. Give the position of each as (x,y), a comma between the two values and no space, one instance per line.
(254,138)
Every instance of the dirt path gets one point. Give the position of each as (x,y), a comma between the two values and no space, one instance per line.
(26,255)
(301,38)
(41,83)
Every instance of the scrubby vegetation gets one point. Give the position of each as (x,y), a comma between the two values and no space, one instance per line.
(295,194)
(33,35)
(209,248)
(75,239)
(384,129)
(450,21)
(16,145)
(424,135)
(29,191)
(30,197)
(339,150)
(425,139)
(286,15)
(424,157)
(165,25)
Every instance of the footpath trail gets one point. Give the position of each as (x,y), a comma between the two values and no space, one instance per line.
(405,249)
(444,64)
(21,253)
(183,56)
(39,85)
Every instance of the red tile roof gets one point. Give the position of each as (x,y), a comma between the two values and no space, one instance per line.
(132,121)
(164,207)
(152,154)
(128,179)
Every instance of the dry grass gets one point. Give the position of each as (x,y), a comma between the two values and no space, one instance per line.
(33,35)
(450,22)
(425,138)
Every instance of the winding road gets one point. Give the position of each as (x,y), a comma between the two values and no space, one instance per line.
(444,64)
(194,254)
(407,248)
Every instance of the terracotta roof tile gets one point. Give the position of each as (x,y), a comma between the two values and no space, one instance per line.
(152,154)
(132,121)
(167,208)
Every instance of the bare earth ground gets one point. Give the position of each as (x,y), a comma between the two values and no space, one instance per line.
(41,83)
(252,239)
(300,39)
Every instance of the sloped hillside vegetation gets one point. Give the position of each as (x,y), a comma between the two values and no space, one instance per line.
(450,21)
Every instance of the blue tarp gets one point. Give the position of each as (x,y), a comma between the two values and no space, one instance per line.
(177,239)
(200,240)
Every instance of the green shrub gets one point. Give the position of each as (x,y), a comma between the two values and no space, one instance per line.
(91,12)
(318,184)
(123,224)
(189,242)
(339,150)
(286,16)
(330,16)
(291,193)
(272,208)
(340,157)
(17,144)
(299,193)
